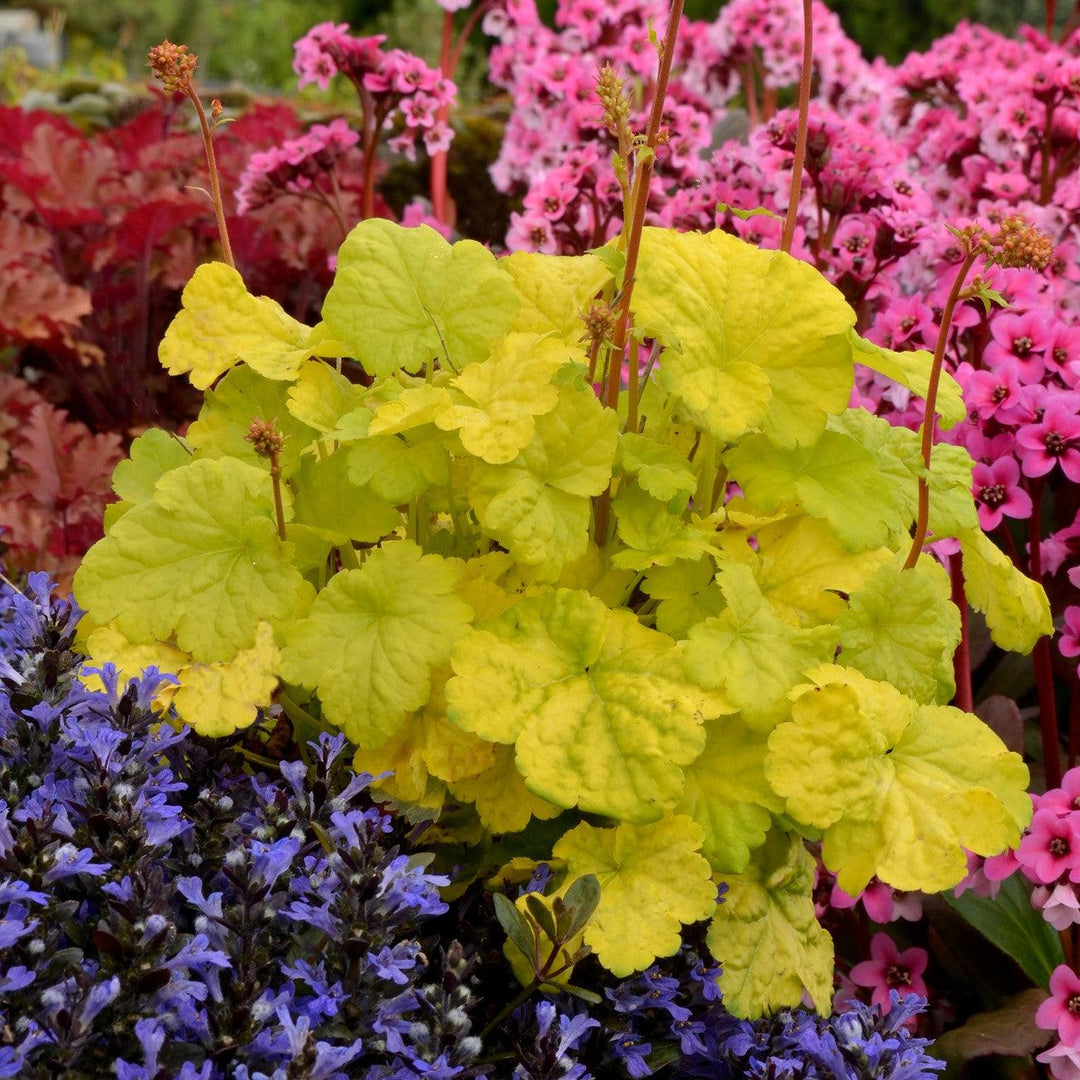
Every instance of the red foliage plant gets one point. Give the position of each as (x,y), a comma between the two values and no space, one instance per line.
(98,235)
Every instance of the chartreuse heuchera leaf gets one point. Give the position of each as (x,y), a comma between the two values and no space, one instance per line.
(894,628)
(751,654)
(402,297)
(899,788)
(652,880)
(546,622)
(762,337)
(201,560)
(221,323)
(773,947)
(372,637)
(597,705)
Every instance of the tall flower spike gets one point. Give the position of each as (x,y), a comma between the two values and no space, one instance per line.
(173,66)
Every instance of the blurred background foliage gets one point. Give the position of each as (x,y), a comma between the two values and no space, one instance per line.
(249,41)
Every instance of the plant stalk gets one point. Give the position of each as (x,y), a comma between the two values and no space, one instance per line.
(800,134)
(1044,664)
(929,424)
(215,180)
(962,657)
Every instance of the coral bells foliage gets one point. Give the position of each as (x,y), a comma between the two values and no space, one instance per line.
(425,566)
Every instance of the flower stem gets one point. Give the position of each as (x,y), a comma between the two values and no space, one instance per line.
(633,227)
(800,134)
(439,201)
(929,423)
(215,181)
(962,657)
(1044,663)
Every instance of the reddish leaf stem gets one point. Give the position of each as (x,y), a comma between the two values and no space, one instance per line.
(215,181)
(1044,664)
(962,657)
(929,423)
(800,134)
(439,201)
(640,199)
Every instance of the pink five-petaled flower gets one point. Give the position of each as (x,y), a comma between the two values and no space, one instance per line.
(998,492)
(1065,799)
(1064,1061)
(1061,1011)
(1051,441)
(1060,906)
(1051,848)
(1069,645)
(889,969)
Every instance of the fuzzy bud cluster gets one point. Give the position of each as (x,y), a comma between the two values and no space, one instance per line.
(173,66)
(1018,244)
(611,90)
(265,438)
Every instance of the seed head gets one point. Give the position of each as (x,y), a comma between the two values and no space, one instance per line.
(265,437)
(599,323)
(172,65)
(610,89)
(1017,244)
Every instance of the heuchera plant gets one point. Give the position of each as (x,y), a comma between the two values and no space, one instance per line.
(658,628)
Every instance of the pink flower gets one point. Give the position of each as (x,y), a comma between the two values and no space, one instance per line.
(990,392)
(1025,337)
(889,969)
(1069,645)
(1052,441)
(453,5)
(976,879)
(1051,848)
(1060,906)
(997,491)
(1061,1011)
(877,900)
(1064,1061)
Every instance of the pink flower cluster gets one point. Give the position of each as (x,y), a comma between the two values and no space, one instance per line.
(556,152)
(1060,1013)
(398,90)
(300,166)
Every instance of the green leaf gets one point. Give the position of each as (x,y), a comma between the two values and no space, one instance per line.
(766,936)
(402,297)
(325,401)
(555,290)
(221,323)
(902,627)
(542,916)
(201,559)
(1016,608)
(153,453)
(654,535)
(596,704)
(652,880)
(746,215)
(658,468)
(581,900)
(763,336)
(513,922)
(372,637)
(504,395)
(836,479)
(727,794)
(912,369)
(802,568)
(537,506)
(687,593)
(751,654)
(399,468)
(326,500)
(227,411)
(899,788)
(1014,926)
